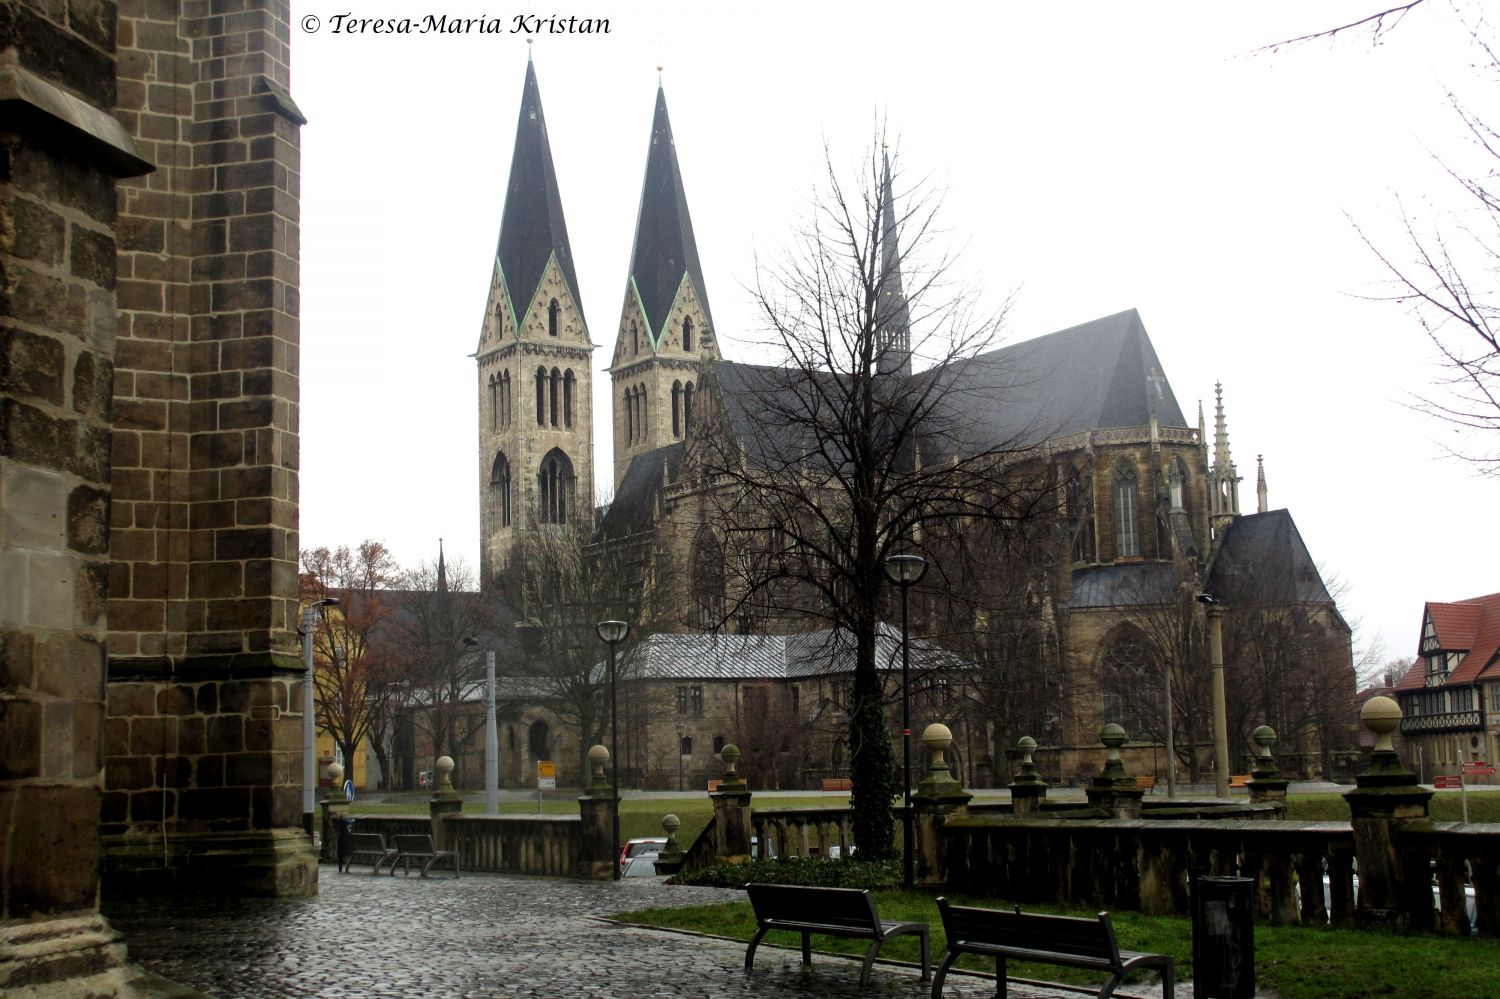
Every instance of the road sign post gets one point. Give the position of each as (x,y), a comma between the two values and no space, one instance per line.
(546,777)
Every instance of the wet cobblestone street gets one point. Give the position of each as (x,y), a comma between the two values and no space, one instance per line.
(480,936)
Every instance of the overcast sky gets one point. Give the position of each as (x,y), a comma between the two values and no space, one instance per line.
(1093,157)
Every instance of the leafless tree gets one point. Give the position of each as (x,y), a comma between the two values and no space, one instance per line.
(353,672)
(843,455)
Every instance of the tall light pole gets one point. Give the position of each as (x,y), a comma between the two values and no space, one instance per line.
(1221,714)
(906,571)
(681,734)
(309,726)
(491,733)
(612,633)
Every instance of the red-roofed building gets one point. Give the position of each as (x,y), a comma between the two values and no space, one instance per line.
(1451,697)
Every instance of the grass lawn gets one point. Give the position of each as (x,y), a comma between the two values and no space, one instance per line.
(1295,962)
(1445,806)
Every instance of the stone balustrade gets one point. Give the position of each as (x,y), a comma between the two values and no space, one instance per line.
(803,832)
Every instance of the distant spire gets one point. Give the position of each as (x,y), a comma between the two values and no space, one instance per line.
(442,574)
(1261,506)
(665,250)
(1221,431)
(532,227)
(1202,428)
(893,319)
(1226,480)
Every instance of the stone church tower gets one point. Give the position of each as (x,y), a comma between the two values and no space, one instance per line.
(536,463)
(666,329)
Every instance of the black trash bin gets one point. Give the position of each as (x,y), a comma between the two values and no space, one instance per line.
(1223,938)
(344,829)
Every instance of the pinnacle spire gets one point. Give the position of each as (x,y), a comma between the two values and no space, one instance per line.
(1261,503)
(1225,477)
(894,318)
(665,251)
(532,227)
(442,570)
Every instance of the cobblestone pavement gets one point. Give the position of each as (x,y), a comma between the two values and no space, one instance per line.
(478,937)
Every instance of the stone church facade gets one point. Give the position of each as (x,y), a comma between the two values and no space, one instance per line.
(1148,504)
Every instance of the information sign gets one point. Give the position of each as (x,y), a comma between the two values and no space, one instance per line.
(1443,783)
(1478,768)
(546,774)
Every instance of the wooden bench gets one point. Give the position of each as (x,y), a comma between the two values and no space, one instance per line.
(411,848)
(1146,782)
(369,848)
(836,912)
(837,784)
(1070,941)
(1239,780)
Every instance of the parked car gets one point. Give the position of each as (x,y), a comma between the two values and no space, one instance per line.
(645,844)
(642,865)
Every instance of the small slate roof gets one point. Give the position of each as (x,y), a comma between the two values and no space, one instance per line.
(1468,626)
(1263,561)
(1129,584)
(532,228)
(827,652)
(1094,376)
(633,510)
(664,249)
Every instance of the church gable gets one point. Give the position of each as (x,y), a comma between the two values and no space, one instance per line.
(553,315)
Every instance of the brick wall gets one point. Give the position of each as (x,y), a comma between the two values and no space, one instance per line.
(203,738)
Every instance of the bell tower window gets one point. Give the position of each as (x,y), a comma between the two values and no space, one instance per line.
(687,335)
(552,311)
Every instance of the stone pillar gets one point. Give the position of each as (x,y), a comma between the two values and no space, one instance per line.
(203,788)
(1028,790)
(731,811)
(1114,790)
(597,808)
(1267,785)
(63,151)
(445,801)
(334,806)
(938,796)
(669,861)
(1395,888)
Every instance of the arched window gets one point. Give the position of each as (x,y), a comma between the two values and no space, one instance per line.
(1127,515)
(541,397)
(685,747)
(640,411)
(706,581)
(1079,500)
(677,409)
(556,391)
(568,398)
(687,334)
(494,404)
(635,339)
(1132,687)
(687,406)
(500,490)
(554,488)
(552,311)
(629,407)
(505,399)
(537,739)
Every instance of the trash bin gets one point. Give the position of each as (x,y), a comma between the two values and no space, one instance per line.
(1223,938)
(344,832)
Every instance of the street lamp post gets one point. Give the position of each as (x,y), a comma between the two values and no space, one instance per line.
(906,571)
(612,633)
(681,734)
(1221,714)
(309,726)
(491,734)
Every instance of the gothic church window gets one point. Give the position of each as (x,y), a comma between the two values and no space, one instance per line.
(1131,686)
(541,397)
(500,489)
(552,311)
(629,408)
(1127,516)
(635,339)
(1079,501)
(687,335)
(556,386)
(494,404)
(677,409)
(505,399)
(554,488)
(568,398)
(687,406)
(706,581)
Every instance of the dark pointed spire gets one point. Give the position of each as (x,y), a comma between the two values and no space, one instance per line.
(532,227)
(664,249)
(442,570)
(894,318)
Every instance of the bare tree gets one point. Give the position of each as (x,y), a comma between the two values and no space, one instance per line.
(842,455)
(439,608)
(353,675)
(563,588)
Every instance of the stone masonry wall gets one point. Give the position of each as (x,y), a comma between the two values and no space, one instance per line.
(60,155)
(203,737)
